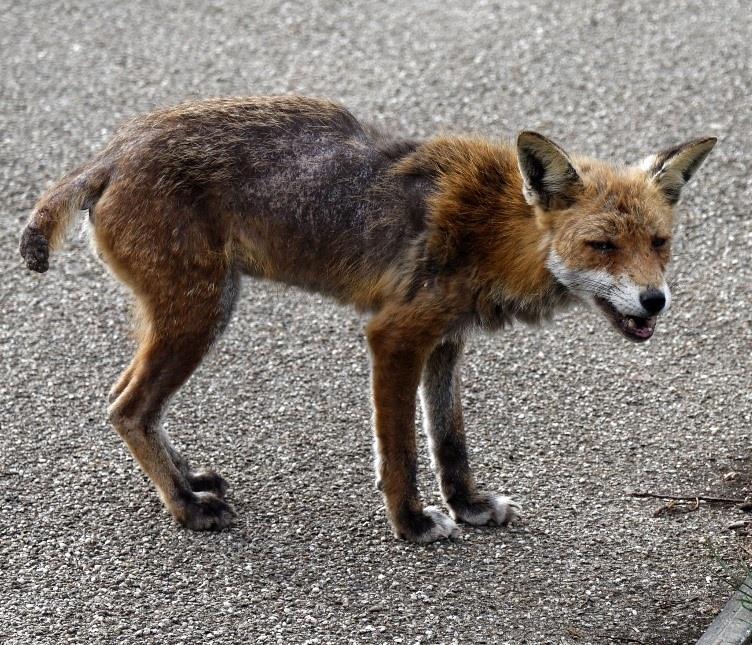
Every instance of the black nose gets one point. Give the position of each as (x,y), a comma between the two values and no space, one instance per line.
(653,300)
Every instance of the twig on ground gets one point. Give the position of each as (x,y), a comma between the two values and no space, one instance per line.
(695,498)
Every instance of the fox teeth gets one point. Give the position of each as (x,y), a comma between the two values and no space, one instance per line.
(631,323)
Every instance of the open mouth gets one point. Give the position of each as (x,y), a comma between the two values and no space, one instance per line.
(633,327)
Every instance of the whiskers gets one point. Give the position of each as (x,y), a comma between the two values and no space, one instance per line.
(598,287)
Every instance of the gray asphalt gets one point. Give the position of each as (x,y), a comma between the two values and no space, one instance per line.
(567,419)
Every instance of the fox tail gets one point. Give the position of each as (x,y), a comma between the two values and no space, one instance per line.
(55,210)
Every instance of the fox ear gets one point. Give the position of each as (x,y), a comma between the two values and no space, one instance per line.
(673,168)
(550,180)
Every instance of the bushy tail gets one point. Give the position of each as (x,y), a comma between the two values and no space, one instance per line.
(54,212)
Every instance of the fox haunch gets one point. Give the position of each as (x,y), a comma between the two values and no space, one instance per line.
(433,238)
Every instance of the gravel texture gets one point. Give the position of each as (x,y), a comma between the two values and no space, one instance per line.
(567,418)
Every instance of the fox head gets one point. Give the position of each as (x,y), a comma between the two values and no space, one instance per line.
(608,229)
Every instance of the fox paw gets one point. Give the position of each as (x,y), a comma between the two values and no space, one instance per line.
(427,526)
(487,509)
(204,511)
(208,480)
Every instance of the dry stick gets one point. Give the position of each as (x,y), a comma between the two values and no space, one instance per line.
(692,498)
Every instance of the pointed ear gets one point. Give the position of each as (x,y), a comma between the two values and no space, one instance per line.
(550,180)
(673,168)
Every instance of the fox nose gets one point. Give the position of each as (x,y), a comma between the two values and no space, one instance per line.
(653,300)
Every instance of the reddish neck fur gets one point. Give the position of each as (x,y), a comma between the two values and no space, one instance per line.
(479,216)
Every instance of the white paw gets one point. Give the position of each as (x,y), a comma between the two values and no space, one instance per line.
(505,510)
(495,509)
(443,527)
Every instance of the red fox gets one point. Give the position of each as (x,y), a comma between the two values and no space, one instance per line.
(433,238)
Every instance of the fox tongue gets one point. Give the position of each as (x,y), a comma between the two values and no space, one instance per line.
(639,326)
(634,327)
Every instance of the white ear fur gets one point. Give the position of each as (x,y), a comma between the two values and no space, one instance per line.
(548,174)
(671,169)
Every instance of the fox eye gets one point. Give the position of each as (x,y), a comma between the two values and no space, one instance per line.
(659,242)
(602,246)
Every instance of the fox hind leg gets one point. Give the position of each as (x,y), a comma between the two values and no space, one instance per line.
(117,389)
(173,343)
(444,426)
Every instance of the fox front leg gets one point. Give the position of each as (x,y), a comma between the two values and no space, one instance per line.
(398,351)
(442,413)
